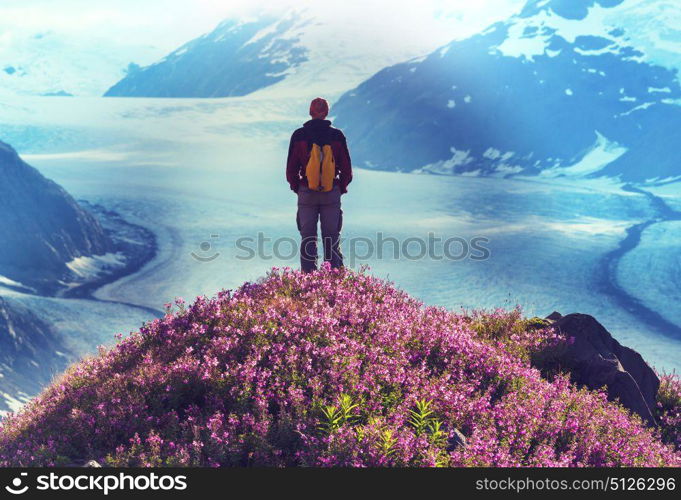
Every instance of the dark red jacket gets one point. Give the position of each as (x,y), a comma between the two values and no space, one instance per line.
(321,132)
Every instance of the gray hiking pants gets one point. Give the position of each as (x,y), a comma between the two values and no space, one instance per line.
(316,206)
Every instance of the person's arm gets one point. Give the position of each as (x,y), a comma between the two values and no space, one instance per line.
(292,166)
(345,165)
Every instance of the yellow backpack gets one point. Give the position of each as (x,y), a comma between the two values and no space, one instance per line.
(321,168)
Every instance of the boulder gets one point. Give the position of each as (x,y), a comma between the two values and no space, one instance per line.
(595,359)
(554,316)
(457,439)
(83,463)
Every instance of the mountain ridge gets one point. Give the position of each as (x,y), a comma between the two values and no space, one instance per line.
(44,229)
(235,59)
(540,94)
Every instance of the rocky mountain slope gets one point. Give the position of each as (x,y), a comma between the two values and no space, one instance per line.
(235,59)
(318,49)
(51,245)
(31,355)
(44,231)
(559,89)
(337,368)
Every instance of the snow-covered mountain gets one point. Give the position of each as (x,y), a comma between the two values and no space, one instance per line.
(559,89)
(235,59)
(61,64)
(300,50)
(303,51)
(84,50)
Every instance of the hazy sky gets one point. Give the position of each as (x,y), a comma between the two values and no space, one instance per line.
(169,23)
(84,46)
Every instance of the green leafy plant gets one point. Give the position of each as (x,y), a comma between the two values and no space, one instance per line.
(437,436)
(421,417)
(387,442)
(335,416)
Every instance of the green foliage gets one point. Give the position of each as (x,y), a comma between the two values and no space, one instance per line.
(421,417)
(335,416)
(423,420)
(387,442)
(438,437)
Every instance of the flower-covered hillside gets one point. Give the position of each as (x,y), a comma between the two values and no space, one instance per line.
(330,368)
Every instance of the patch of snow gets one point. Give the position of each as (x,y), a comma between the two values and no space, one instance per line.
(590,226)
(518,45)
(495,154)
(6,281)
(568,92)
(13,403)
(653,28)
(597,52)
(344,49)
(491,154)
(504,168)
(458,159)
(418,59)
(451,104)
(262,33)
(645,105)
(546,24)
(92,267)
(665,180)
(601,154)
(78,62)
(467,99)
(675,102)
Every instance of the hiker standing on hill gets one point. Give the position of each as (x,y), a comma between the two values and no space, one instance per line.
(319,170)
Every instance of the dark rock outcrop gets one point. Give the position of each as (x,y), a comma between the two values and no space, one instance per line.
(41,226)
(458,439)
(595,359)
(555,315)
